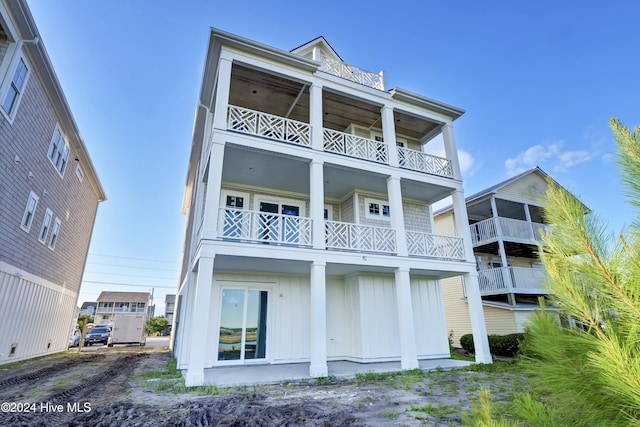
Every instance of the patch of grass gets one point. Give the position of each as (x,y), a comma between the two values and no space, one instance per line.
(371,377)
(439,411)
(391,414)
(62,382)
(331,379)
(171,371)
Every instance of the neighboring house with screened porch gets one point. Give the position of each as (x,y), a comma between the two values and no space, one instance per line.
(49,196)
(506,223)
(310,234)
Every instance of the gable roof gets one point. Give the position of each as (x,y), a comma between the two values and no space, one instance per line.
(107,296)
(88,304)
(321,42)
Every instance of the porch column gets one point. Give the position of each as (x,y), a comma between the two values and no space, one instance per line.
(527,216)
(408,352)
(389,135)
(316,203)
(470,280)
(222,94)
(506,277)
(318,367)
(199,323)
(397,215)
(315,116)
(476,314)
(212,192)
(451,150)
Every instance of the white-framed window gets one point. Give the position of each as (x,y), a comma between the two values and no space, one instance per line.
(29,212)
(58,151)
(46,225)
(55,231)
(79,173)
(377,209)
(15,89)
(328,212)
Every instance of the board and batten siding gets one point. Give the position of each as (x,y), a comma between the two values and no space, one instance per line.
(429,318)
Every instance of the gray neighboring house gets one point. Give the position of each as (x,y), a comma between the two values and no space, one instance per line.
(89,308)
(169,307)
(49,195)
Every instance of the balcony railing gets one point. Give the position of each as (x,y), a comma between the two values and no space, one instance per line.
(487,230)
(422,162)
(264,227)
(121,310)
(349,236)
(353,73)
(508,280)
(435,246)
(355,146)
(269,126)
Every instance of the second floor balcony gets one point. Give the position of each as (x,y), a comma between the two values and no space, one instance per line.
(512,280)
(280,229)
(285,130)
(125,309)
(492,229)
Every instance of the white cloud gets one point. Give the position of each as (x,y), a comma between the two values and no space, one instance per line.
(550,156)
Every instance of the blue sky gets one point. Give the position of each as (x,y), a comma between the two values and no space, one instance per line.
(538,80)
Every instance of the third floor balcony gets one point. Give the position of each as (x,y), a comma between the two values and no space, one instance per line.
(495,228)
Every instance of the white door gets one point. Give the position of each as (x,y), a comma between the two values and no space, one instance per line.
(243,325)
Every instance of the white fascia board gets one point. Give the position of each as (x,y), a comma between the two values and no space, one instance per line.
(446,110)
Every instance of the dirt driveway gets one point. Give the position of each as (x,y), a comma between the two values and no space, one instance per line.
(130,386)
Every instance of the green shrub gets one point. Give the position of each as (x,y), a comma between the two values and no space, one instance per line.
(500,345)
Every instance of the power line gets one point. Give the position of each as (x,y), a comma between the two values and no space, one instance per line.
(131,266)
(131,275)
(138,259)
(128,284)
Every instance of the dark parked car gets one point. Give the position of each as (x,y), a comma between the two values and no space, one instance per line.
(96,335)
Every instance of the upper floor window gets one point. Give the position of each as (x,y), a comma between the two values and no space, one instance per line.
(54,234)
(59,151)
(377,209)
(79,173)
(29,212)
(16,88)
(46,224)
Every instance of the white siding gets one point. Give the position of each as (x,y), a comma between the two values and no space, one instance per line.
(379,316)
(337,318)
(429,318)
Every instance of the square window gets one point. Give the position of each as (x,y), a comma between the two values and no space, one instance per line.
(374,209)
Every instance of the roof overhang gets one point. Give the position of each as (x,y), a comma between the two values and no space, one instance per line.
(403,95)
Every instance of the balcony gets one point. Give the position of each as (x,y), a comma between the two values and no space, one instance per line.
(299,133)
(512,280)
(262,227)
(121,310)
(352,73)
(492,229)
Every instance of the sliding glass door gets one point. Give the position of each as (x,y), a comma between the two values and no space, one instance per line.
(243,324)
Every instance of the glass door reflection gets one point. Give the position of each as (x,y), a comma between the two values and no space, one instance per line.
(243,324)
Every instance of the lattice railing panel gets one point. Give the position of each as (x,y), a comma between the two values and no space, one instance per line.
(264,227)
(352,73)
(342,235)
(435,245)
(422,162)
(355,146)
(269,126)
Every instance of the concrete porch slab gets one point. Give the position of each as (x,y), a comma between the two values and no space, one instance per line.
(225,376)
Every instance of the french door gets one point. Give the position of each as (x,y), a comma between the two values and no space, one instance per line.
(243,324)
(275,224)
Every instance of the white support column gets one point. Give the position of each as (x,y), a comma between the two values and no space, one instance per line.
(527,216)
(389,135)
(316,203)
(506,277)
(472,288)
(199,322)
(318,367)
(212,200)
(397,214)
(476,314)
(408,352)
(451,150)
(316,116)
(223,86)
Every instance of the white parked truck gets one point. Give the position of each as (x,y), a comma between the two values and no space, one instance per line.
(128,328)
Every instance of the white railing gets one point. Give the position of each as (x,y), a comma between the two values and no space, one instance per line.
(355,146)
(120,310)
(274,127)
(264,227)
(344,235)
(487,229)
(422,162)
(506,280)
(351,72)
(434,245)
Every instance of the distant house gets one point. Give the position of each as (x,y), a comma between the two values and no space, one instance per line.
(110,303)
(506,222)
(49,195)
(89,308)
(309,198)
(169,307)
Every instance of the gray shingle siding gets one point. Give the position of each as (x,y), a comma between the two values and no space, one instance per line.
(73,202)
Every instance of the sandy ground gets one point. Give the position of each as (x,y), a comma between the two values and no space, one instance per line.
(108,387)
